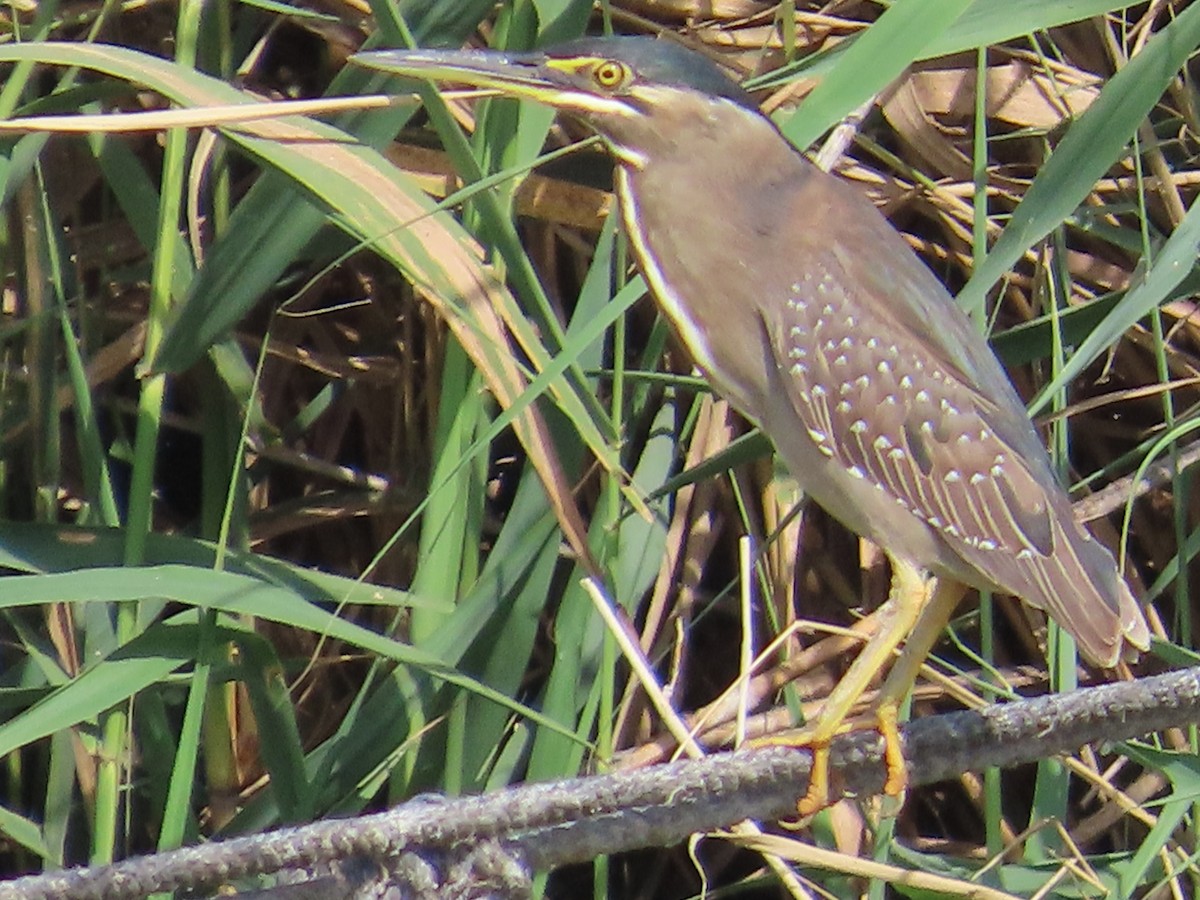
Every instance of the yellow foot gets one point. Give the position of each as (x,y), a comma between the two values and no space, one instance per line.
(893,751)
(817,796)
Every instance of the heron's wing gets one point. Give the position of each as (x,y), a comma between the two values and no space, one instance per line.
(878,399)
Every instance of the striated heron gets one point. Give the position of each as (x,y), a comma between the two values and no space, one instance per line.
(812,316)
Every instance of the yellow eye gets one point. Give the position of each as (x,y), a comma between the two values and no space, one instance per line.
(611,75)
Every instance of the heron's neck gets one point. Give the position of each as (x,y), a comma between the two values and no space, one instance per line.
(739,197)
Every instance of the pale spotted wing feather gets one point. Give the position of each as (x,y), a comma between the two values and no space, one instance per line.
(876,400)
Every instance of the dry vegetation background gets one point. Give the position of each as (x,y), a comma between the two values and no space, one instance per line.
(277,554)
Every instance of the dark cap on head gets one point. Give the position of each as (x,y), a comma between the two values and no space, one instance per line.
(659,62)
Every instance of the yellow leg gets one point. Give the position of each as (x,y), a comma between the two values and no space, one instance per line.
(901,613)
(928,628)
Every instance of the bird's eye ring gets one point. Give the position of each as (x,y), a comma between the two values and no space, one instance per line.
(611,74)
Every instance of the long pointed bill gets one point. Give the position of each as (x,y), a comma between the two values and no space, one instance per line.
(522,75)
(546,79)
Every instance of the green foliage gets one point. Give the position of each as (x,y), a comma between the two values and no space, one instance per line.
(374,588)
